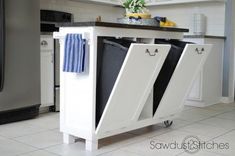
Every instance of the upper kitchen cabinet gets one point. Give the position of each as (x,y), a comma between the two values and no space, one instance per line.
(169,2)
(108,2)
(148,2)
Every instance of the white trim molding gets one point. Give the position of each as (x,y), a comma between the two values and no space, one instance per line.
(227,100)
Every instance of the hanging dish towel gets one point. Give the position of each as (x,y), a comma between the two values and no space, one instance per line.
(74,53)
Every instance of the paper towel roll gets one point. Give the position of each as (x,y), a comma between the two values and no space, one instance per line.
(199,24)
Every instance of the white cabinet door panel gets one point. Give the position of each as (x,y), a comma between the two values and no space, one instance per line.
(196,90)
(189,65)
(47,79)
(133,86)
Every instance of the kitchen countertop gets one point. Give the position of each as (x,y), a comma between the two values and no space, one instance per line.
(119,25)
(204,36)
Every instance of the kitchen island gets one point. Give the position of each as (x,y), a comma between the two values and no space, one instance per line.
(130,104)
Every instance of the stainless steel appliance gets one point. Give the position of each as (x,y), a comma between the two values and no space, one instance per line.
(49,21)
(19,59)
(57,75)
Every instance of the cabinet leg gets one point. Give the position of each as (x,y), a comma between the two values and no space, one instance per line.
(91,145)
(68,139)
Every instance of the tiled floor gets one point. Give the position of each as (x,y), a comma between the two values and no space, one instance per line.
(214,125)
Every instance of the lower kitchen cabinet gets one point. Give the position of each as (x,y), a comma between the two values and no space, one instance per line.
(47,70)
(207,87)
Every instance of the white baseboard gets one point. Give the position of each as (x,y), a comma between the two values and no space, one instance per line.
(227,99)
(194,103)
(200,103)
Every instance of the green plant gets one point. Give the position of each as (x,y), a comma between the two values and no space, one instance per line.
(134,6)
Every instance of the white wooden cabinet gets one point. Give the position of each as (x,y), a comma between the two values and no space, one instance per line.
(207,87)
(129,102)
(149,2)
(170,2)
(47,70)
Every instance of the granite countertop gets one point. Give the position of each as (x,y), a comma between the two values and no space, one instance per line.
(119,25)
(204,36)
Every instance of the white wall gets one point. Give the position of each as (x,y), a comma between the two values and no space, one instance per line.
(182,14)
(84,11)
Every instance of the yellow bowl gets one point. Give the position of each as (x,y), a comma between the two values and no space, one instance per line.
(137,15)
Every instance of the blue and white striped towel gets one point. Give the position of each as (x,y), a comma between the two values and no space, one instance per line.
(74,53)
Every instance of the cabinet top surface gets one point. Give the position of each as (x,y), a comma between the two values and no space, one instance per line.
(119,25)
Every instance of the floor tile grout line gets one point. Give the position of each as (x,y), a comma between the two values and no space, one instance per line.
(120,148)
(33,133)
(49,130)
(222,134)
(113,150)
(213,116)
(214,126)
(218,153)
(225,111)
(140,154)
(36,151)
(200,134)
(28,134)
(21,142)
(51,152)
(226,119)
(25,144)
(34,146)
(179,154)
(209,109)
(26,152)
(51,146)
(44,148)
(3,136)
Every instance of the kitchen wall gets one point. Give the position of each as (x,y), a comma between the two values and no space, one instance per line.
(84,11)
(182,14)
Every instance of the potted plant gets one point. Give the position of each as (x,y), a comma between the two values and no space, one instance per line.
(136,9)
